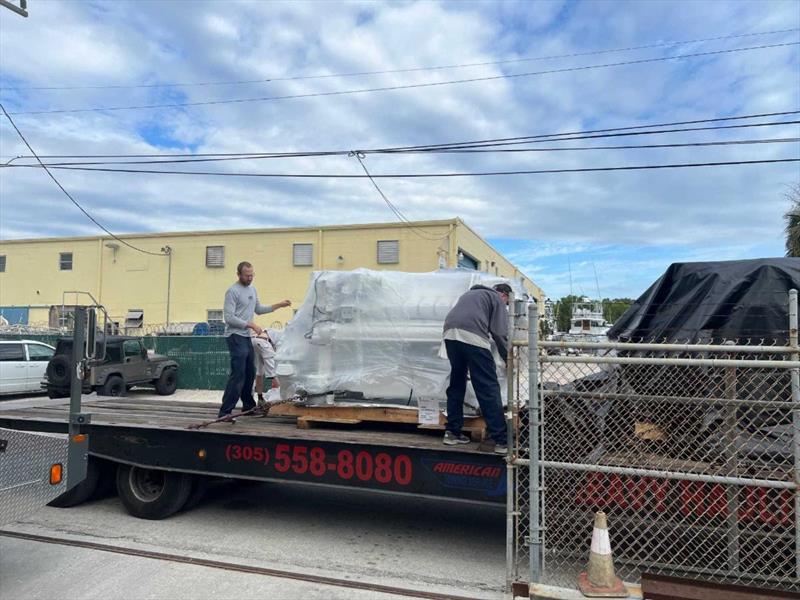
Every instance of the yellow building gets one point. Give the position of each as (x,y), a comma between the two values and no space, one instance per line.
(187,285)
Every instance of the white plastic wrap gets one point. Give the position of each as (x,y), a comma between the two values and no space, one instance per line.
(375,336)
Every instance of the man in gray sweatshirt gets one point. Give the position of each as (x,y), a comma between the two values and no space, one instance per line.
(479,316)
(241,303)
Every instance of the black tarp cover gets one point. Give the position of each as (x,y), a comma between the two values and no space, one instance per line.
(705,301)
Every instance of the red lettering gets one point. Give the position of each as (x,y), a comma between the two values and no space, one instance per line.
(692,498)
(717,501)
(638,492)
(786,499)
(783,499)
(660,487)
(402,469)
(439,467)
(591,493)
(616,492)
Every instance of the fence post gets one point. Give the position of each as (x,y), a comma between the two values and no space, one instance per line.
(731,464)
(511,558)
(533,439)
(795,375)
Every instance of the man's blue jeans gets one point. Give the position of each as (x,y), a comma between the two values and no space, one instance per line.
(243,373)
(480,365)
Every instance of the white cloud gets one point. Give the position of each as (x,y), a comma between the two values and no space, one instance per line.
(65,43)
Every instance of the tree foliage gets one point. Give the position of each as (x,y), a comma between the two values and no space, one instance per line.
(792,220)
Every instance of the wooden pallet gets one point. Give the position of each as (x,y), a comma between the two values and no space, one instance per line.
(309,416)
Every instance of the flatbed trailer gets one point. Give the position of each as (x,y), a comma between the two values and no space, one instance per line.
(159,462)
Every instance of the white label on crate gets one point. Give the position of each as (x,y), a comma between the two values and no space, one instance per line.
(428,411)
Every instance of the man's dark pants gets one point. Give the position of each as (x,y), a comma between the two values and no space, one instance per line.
(480,365)
(243,373)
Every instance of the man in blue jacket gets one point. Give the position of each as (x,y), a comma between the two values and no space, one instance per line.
(479,316)
(241,303)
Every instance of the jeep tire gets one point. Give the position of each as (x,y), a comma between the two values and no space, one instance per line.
(152,493)
(114,386)
(59,372)
(167,383)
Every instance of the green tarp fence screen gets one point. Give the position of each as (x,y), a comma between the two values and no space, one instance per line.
(203,361)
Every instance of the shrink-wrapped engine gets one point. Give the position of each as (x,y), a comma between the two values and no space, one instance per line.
(375,336)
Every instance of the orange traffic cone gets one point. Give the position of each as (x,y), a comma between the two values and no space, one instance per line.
(599,580)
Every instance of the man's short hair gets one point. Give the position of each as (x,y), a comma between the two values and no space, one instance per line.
(503,288)
(243,265)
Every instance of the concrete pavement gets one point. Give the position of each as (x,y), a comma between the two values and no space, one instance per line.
(423,544)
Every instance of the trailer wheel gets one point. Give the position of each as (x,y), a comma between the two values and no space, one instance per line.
(152,493)
(83,491)
(199,488)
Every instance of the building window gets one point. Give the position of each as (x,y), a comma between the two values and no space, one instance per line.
(134,319)
(2,263)
(303,255)
(214,315)
(65,261)
(215,256)
(465,261)
(388,252)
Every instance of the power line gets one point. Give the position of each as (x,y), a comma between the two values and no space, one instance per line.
(459,150)
(360,157)
(560,136)
(406,70)
(68,195)
(484,143)
(424,175)
(401,87)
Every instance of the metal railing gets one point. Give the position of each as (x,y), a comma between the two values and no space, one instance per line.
(692,450)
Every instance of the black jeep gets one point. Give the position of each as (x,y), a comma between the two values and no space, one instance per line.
(127,364)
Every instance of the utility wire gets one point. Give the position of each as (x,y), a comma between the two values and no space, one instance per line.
(460,150)
(68,195)
(555,137)
(425,175)
(536,140)
(401,87)
(406,70)
(419,232)
(561,136)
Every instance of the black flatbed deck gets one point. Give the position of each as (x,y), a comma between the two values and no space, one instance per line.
(155,433)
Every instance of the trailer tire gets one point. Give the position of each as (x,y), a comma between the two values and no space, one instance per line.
(199,488)
(84,490)
(167,383)
(152,493)
(114,386)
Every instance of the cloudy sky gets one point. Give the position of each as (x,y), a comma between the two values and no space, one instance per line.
(627,225)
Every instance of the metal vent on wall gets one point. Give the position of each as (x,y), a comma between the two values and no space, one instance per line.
(303,255)
(134,319)
(388,252)
(215,256)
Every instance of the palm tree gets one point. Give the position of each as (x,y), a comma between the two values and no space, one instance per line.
(792,218)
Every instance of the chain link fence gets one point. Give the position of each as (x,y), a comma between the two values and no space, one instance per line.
(692,450)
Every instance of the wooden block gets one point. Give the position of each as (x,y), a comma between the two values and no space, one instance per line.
(308,422)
